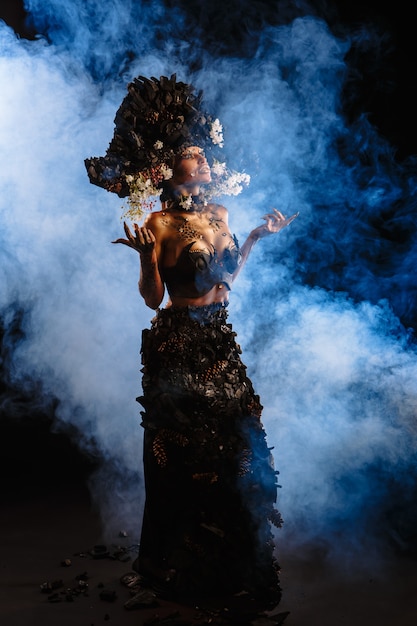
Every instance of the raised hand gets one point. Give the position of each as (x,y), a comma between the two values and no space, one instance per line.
(143,239)
(274,222)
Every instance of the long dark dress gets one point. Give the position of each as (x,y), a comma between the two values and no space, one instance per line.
(209,475)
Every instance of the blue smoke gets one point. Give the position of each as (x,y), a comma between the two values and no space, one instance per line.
(325,312)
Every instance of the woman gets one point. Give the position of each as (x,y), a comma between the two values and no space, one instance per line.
(209,476)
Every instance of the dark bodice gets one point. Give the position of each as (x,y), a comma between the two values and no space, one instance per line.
(198,271)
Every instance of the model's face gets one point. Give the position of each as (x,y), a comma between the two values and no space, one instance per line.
(192,168)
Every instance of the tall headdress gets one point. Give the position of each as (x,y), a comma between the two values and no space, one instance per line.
(157,121)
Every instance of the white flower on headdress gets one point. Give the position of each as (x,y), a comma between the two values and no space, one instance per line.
(144,189)
(158,145)
(166,172)
(216,133)
(141,189)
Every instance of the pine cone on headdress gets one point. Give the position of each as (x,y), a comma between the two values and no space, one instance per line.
(156,120)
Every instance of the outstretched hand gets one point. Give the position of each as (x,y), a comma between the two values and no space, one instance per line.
(143,240)
(274,222)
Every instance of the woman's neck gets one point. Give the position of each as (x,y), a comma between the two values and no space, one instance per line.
(189,204)
(182,198)
(185,190)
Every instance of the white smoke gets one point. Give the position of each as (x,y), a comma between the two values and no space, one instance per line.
(337,386)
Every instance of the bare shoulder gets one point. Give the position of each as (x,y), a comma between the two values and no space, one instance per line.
(219,211)
(154,221)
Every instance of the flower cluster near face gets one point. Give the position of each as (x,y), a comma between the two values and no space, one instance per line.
(144,190)
(226,182)
(233,185)
(186,202)
(145,187)
(218,169)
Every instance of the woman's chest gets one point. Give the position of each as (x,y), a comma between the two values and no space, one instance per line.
(195,233)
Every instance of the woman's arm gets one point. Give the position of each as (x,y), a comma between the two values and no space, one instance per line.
(151,286)
(274,222)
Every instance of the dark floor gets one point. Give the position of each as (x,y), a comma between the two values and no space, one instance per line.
(49,529)
(39,531)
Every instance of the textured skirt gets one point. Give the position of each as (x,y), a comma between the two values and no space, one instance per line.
(210,480)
